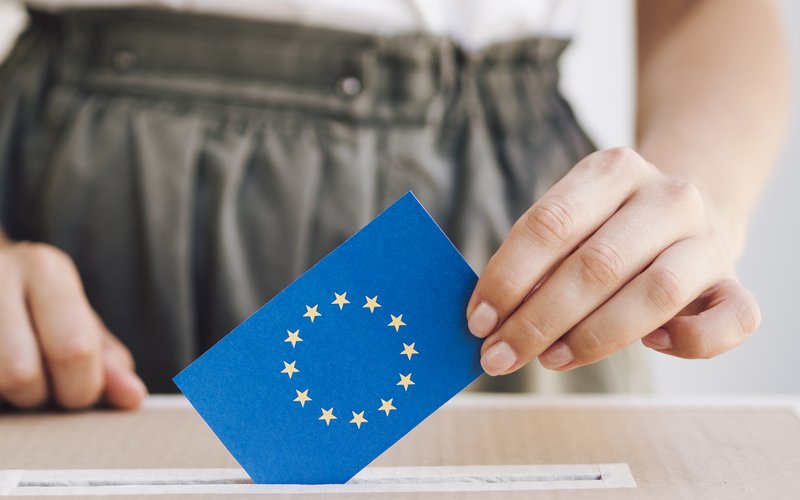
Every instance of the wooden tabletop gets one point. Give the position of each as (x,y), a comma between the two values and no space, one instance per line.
(671,448)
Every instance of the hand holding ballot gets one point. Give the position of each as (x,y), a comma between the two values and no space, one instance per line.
(616,252)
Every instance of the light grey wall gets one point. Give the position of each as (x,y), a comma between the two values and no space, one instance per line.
(598,79)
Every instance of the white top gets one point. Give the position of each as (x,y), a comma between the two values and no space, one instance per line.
(471,23)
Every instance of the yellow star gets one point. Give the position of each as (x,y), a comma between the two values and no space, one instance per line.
(311,313)
(372,303)
(358,419)
(341,300)
(387,406)
(327,416)
(405,381)
(397,322)
(294,337)
(302,397)
(289,369)
(408,350)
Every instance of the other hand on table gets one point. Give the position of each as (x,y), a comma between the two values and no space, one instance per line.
(53,345)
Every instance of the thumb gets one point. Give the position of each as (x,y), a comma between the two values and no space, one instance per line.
(124,389)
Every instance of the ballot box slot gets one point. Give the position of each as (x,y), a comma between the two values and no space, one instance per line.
(482,478)
(476,478)
(45,483)
(88,482)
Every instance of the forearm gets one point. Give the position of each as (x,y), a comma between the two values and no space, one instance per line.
(712,101)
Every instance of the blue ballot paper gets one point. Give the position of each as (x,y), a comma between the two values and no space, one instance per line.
(346,360)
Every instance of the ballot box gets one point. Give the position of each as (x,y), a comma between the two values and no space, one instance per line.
(476,446)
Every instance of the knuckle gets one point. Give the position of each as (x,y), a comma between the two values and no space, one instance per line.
(601,264)
(621,154)
(665,290)
(617,161)
(45,258)
(589,345)
(503,286)
(549,222)
(16,374)
(74,350)
(532,335)
(684,193)
(623,163)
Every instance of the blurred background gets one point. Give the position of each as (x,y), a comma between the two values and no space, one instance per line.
(598,79)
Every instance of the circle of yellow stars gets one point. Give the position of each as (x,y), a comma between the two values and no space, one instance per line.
(290,368)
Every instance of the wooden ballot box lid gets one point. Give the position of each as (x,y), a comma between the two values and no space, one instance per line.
(477,446)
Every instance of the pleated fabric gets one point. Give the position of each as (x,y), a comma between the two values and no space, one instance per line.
(194,166)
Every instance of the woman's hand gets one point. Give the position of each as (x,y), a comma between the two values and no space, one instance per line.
(614,253)
(53,346)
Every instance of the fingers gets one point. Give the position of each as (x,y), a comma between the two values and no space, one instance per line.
(611,252)
(732,316)
(617,252)
(68,330)
(124,389)
(22,379)
(47,327)
(668,285)
(569,213)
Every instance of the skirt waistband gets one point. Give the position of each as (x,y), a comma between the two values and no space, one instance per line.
(145,51)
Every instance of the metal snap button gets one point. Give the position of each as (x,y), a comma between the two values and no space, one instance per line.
(125,60)
(349,86)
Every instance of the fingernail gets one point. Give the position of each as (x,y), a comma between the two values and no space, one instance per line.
(482,320)
(557,355)
(658,339)
(498,358)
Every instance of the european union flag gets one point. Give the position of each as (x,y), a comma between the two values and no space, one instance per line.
(346,360)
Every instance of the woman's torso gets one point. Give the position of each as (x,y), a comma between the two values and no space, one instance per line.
(193,166)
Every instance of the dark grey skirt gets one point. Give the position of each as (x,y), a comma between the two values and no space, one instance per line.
(194,166)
